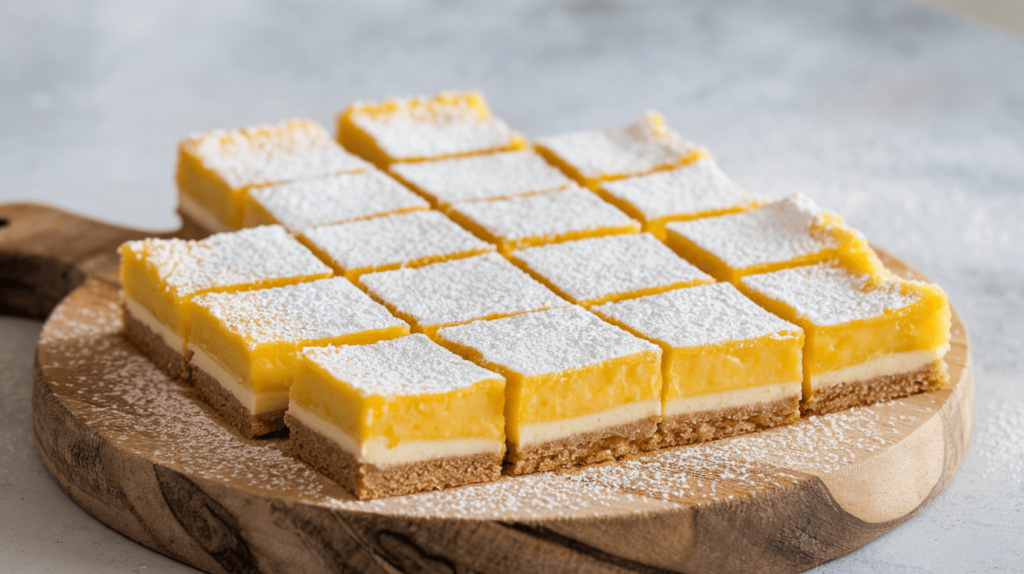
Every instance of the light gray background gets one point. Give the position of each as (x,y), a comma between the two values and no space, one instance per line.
(907,121)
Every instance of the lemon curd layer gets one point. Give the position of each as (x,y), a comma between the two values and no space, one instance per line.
(858,325)
(200,214)
(267,400)
(398,392)
(563,365)
(419,128)
(255,335)
(162,275)
(714,340)
(215,169)
(786,233)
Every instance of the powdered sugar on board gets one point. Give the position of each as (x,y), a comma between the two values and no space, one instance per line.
(113,389)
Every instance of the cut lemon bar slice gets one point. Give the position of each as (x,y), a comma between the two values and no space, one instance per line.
(417,128)
(591,157)
(517,222)
(453,292)
(307,203)
(601,269)
(870,337)
(578,390)
(396,417)
(729,366)
(690,191)
(382,243)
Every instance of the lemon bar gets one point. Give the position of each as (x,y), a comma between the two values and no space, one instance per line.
(306,203)
(396,417)
(578,390)
(601,269)
(729,366)
(591,157)
(697,189)
(215,169)
(420,127)
(243,344)
(870,337)
(453,292)
(786,233)
(161,276)
(382,243)
(481,177)
(573,213)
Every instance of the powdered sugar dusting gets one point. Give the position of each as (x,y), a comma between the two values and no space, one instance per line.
(486,176)
(694,188)
(250,256)
(265,154)
(640,147)
(546,215)
(779,231)
(411,365)
(701,315)
(593,268)
(547,341)
(461,290)
(318,201)
(828,294)
(112,388)
(305,312)
(422,127)
(401,238)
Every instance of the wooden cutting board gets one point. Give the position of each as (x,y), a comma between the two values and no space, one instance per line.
(146,457)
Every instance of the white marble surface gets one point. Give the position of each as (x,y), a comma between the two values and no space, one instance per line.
(907,121)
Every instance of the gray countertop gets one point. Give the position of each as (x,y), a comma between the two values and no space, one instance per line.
(908,122)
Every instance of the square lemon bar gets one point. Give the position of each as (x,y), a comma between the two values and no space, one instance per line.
(396,417)
(787,233)
(161,276)
(573,213)
(306,203)
(419,127)
(591,157)
(601,269)
(578,390)
(693,190)
(244,343)
(729,366)
(382,243)
(481,177)
(453,292)
(216,169)
(870,337)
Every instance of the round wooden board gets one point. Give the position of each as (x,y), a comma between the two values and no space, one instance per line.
(145,456)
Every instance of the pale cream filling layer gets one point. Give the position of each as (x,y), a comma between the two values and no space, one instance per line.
(147,318)
(376,451)
(733,398)
(891,364)
(556,430)
(204,217)
(256,403)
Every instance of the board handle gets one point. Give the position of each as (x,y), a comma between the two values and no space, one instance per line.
(45,253)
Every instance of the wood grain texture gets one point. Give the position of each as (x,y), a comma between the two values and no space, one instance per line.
(145,456)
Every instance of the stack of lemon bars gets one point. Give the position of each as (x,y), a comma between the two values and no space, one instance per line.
(429,300)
